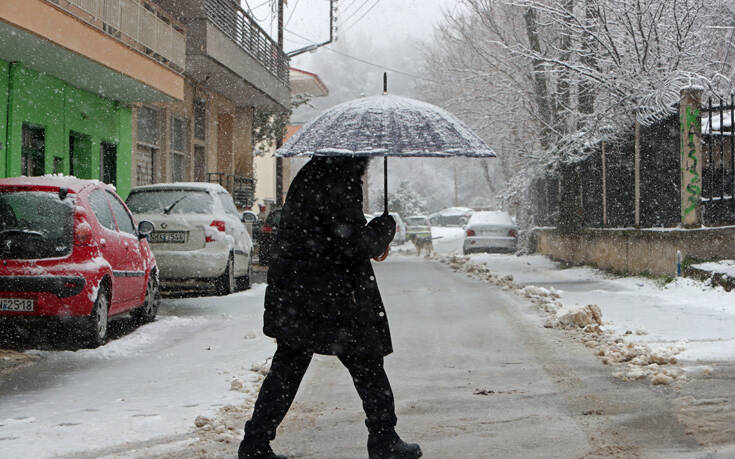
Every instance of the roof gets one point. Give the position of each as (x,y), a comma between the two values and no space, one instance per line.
(307,83)
(54,181)
(204,186)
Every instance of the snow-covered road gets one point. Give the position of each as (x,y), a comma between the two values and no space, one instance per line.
(148,385)
(475,374)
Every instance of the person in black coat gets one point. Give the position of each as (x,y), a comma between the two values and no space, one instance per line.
(322,297)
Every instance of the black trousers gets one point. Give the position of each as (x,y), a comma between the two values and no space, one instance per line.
(286,372)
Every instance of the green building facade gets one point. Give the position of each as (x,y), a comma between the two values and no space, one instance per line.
(49,126)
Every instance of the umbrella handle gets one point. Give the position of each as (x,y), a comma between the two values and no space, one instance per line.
(385,184)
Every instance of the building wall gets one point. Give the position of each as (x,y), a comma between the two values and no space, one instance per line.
(228,138)
(59,108)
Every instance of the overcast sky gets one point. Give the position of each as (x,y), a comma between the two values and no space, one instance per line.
(386,33)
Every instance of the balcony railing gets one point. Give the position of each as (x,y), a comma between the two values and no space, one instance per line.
(136,23)
(239,27)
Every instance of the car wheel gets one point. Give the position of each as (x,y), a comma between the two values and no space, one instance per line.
(149,310)
(225,284)
(98,320)
(245,282)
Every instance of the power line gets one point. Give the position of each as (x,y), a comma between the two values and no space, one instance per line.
(363,15)
(292,12)
(383,67)
(356,11)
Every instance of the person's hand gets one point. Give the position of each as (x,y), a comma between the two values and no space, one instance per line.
(386,223)
(383,256)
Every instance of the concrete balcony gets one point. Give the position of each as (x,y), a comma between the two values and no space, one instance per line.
(64,40)
(229,53)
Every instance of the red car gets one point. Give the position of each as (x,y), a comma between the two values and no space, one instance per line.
(70,249)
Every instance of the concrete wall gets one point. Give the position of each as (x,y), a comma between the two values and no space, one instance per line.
(637,251)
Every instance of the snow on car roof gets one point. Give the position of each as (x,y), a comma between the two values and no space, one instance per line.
(216,187)
(61,181)
(491,217)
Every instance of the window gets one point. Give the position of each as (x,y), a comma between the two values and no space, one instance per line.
(108,163)
(176,201)
(149,130)
(101,209)
(178,148)
(227,203)
(200,118)
(124,223)
(33,150)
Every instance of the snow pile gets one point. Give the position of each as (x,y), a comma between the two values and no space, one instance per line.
(226,425)
(633,361)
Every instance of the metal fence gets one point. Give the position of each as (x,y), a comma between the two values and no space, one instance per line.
(138,23)
(239,27)
(718,161)
(599,192)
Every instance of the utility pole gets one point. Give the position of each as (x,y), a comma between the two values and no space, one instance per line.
(279,139)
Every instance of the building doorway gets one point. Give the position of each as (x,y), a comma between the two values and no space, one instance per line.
(33,151)
(108,163)
(80,155)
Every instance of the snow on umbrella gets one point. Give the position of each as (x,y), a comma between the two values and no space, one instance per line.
(386,125)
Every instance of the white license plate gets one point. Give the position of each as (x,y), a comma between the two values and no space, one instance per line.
(17,304)
(168,236)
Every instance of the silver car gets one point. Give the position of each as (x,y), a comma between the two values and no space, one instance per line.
(199,240)
(490,231)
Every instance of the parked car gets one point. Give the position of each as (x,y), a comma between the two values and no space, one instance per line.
(490,231)
(267,235)
(400,237)
(70,249)
(250,220)
(417,226)
(199,240)
(451,216)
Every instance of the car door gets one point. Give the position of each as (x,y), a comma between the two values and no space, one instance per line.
(132,264)
(236,229)
(111,247)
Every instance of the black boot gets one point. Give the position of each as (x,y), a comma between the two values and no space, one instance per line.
(260,451)
(390,446)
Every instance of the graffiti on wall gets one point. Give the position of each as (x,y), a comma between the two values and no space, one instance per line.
(691,124)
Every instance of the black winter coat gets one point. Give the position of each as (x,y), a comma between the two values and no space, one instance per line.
(322,295)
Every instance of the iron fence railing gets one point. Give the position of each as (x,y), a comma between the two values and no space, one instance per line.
(718,162)
(239,27)
(241,188)
(130,20)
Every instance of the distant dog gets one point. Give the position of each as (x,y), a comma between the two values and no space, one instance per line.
(423,244)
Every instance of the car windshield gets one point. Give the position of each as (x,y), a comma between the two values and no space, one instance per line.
(35,224)
(416,221)
(170,201)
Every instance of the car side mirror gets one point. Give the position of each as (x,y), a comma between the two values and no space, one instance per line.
(145,228)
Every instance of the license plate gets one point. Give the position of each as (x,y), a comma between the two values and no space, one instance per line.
(168,236)
(17,304)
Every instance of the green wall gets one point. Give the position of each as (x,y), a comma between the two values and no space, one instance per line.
(61,109)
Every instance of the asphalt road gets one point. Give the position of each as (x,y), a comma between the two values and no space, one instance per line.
(475,375)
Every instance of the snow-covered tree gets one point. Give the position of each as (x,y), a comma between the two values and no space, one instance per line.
(540,79)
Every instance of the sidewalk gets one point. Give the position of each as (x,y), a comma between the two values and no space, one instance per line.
(688,318)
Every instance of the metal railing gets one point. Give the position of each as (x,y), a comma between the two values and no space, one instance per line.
(239,27)
(241,188)
(718,161)
(130,20)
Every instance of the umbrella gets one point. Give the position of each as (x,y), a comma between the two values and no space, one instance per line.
(385,126)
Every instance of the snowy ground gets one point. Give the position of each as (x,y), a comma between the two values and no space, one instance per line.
(148,385)
(685,315)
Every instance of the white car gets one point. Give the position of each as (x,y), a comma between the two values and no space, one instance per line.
(400,237)
(198,238)
(490,231)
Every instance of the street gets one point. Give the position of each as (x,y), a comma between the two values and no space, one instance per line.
(475,374)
